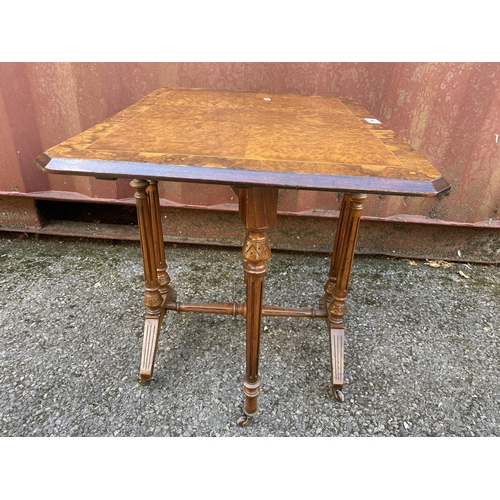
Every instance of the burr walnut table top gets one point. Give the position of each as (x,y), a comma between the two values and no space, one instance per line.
(248,139)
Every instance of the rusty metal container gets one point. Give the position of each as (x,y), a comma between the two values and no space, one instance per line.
(449,112)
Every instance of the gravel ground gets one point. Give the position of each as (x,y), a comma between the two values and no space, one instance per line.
(422,346)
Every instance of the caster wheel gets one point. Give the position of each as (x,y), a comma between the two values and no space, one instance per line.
(143,382)
(339,395)
(244,421)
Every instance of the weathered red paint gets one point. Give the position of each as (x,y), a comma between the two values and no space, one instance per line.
(449,112)
(395,238)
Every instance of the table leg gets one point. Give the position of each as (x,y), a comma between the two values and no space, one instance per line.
(338,281)
(258,210)
(148,220)
(167,292)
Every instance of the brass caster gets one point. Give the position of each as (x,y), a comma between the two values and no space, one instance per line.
(143,382)
(244,421)
(339,395)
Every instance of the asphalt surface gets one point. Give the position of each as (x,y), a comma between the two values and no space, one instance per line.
(422,346)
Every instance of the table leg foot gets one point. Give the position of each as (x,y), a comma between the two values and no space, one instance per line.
(337,361)
(339,395)
(149,346)
(251,390)
(244,421)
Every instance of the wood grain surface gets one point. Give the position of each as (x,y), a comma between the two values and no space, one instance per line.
(281,140)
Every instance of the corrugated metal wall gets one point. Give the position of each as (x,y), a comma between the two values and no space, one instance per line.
(449,112)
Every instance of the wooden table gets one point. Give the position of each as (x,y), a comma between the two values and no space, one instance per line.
(257,143)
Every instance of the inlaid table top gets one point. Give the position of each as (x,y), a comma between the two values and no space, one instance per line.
(248,139)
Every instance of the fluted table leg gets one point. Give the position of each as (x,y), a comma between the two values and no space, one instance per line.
(338,281)
(154,267)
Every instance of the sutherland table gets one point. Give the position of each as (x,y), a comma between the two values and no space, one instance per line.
(257,144)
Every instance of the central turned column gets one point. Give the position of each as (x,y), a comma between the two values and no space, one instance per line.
(258,208)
